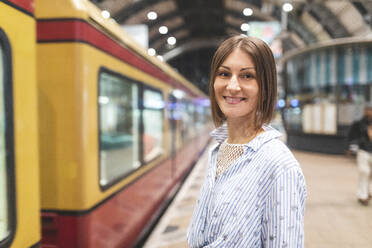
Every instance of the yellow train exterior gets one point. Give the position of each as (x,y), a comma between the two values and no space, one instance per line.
(19,160)
(95,135)
(67,75)
(114,139)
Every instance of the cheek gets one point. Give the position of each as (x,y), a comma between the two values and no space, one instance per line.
(217,87)
(255,90)
(251,91)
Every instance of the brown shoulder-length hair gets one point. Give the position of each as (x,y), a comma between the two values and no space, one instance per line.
(265,67)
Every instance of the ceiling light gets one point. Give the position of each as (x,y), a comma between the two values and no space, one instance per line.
(151,51)
(287,7)
(245,27)
(172,41)
(163,30)
(105,14)
(160,57)
(152,15)
(178,93)
(248,12)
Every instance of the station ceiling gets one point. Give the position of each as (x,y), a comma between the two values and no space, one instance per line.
(200,25)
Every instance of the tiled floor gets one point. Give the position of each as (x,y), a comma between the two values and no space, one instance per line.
(333,217)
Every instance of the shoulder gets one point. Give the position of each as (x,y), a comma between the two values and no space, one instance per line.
(279,161)
(278,154)
(282,168)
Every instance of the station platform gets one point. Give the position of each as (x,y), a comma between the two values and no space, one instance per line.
(333,217)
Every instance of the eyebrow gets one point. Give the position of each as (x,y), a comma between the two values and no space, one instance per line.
(243,69)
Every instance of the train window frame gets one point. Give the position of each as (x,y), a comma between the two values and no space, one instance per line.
(7,83)
(139,141)
(143,108)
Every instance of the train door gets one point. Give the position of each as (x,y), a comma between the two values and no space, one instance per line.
(19,171)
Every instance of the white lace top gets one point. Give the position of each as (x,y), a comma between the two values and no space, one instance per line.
(227,154)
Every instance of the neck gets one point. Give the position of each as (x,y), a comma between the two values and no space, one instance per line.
(241,132)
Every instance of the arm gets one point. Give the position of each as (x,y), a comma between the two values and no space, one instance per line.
(283,220)
(195,237)
(353,137)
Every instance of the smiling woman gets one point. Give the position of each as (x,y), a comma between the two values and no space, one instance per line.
(254,191)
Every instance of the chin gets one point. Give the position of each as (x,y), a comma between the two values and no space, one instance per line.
(232,116)
(238,115)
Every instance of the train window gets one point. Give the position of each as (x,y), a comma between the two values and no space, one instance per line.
(153,105)
(119,127)
(4,226)
(7,204)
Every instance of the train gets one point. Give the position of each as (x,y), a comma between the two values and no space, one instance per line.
(96,135)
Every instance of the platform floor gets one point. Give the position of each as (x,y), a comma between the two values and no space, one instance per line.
(333,217)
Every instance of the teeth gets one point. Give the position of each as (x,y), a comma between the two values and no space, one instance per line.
(233,100)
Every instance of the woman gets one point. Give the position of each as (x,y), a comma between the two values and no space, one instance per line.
(254,191)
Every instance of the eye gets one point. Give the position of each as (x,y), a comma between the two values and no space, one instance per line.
(223,74)
(247,76)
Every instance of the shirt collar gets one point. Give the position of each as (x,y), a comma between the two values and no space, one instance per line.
(221,134)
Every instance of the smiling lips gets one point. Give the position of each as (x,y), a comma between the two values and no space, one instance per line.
(234,100)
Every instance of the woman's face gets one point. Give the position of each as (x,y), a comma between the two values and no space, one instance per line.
(236,88)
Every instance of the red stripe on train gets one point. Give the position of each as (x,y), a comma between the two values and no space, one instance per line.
(119,221)
(27,5)
(78,30)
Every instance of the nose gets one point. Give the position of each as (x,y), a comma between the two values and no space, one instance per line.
(233,84)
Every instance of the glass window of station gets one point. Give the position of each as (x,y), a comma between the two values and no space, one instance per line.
(327,88)
(118,127)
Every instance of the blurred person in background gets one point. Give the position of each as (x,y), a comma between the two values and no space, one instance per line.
(360,143)
(254,191)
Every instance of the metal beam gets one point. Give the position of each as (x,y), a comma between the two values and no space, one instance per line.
(192,45)
(220,28)
(328,20)
(122,15)
(212,11)
(296,26)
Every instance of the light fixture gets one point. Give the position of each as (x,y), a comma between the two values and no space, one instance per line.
(160,57)
(247,12)
(163,30)
(171,41)
(105,14)
(287,7)
(151,51)
(281,103)
(152,15)
(245,27)
(294,103)
(179,94)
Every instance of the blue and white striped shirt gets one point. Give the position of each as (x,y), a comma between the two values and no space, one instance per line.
(259,201)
